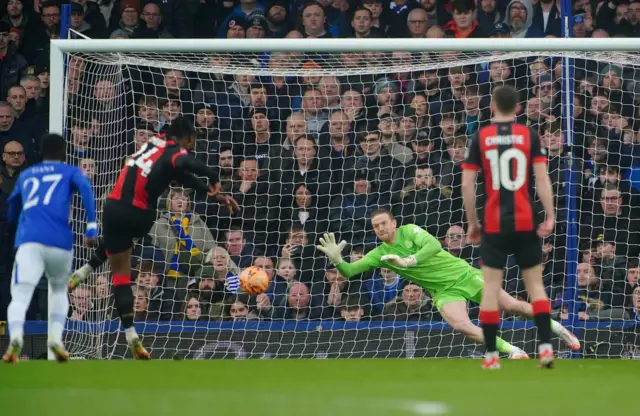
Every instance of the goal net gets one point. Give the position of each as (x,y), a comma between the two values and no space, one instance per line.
(313,142)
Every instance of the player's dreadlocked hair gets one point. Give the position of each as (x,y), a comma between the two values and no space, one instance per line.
(180,128)
(53,147)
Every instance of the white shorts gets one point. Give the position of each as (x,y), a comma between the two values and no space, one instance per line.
(34,259)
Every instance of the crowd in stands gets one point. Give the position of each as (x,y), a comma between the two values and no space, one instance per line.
(306,154)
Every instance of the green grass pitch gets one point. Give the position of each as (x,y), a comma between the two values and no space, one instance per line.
(318,387)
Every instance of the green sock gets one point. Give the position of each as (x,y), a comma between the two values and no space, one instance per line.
(503,346)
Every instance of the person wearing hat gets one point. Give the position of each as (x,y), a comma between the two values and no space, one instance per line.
(236,28)
(579,27)
(277,13)
(94,17)
(257,27)
(240,12)
(79,26)
(129,19)
(500,30)
(519,16)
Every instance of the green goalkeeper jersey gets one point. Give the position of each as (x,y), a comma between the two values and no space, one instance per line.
(436,269)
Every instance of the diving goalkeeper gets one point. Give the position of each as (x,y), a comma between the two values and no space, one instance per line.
(417,256)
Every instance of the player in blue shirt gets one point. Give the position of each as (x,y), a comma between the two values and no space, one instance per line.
(41,199)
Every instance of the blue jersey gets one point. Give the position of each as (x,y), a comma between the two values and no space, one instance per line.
(42,198)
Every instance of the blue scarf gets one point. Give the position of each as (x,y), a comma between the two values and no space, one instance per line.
(184,241)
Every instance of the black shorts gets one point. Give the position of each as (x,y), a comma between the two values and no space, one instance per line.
(122,223)
(525,246)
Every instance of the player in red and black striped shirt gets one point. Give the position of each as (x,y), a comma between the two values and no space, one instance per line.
(130,209)
(511,159)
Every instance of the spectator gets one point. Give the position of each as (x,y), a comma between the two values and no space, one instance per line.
(15,17)
(238,310)
(275,292)
(464,24)
(88,167)
(380,167)
(423,202)
(237,28)
(13,162)
(252,194)
(21,133)
(240,251)
(142,133)
(17,98)
(152,28)
(36,41)
(129,14)
(277,18)
(488,15)
(314,21)
(610,214)
(78,24)
(305,213)
(213,287)
(298,304)
(383,287)
(519,17)
(93,16)
(193,309)
(257,27)
(81,305)
(350,213)
(546,17)
(417,23)
(362,24)
(611,269)
(12,64)
(303,255)
(388,128)
(240,13)
(351,311)
(455,242)
(413,305)
(183,236)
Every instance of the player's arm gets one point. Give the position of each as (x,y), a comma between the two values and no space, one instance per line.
(83,186)
(470,167)
(428,246)
(186,163)
(15,203)
(543,184)
(333,251)
(188,180)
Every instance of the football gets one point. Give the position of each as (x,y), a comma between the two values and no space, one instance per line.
(254,280)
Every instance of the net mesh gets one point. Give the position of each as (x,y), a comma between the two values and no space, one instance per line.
(385,130)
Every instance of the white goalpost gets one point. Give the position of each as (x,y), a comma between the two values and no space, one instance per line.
(387,122)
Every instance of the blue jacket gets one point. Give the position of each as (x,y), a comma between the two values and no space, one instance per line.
(379,294)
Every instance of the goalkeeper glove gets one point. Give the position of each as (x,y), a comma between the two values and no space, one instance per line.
(398,261)
(332,250)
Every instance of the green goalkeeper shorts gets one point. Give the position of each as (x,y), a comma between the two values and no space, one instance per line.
(466,289)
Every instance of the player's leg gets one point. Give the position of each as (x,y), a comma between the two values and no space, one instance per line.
(518,307)
(120,226)
(98,258)
(528,256)
(57,265)
(27,271)
(455,313)
(494,257)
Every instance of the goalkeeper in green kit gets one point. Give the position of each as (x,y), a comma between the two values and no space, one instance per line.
(417,256)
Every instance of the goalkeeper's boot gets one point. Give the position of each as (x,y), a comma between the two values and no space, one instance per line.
(545,356)
(138,351)
(12,356)
(78,277)
(571,340)
(518,354)
(59,352)
(491,361)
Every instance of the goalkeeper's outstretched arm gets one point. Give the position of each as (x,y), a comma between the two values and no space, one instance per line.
(333,251)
